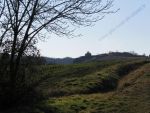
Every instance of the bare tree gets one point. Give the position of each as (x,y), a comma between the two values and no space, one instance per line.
(24,22)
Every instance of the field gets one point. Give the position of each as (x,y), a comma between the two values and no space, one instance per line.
(117,86)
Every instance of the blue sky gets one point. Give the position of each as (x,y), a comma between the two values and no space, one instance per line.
(133,35)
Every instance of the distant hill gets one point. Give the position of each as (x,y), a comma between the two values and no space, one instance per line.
(89,57)
(66,60)
(107,56)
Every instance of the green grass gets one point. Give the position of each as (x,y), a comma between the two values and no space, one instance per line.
(70,76)
(132,99)
(84,78)
(94,103)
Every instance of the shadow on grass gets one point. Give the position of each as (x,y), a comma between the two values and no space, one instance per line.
(25,100)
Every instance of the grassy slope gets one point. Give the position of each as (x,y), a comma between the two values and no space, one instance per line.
(85,78)
(131,96)
(94,87)
(60,78)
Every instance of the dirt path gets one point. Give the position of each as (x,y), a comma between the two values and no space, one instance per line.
(136,87)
